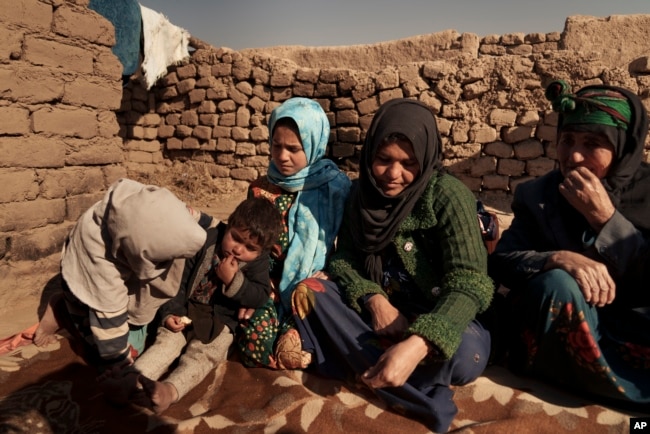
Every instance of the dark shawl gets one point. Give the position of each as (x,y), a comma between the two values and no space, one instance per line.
(375,217)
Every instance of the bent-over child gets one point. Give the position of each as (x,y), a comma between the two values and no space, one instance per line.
(230,271)
(121,261)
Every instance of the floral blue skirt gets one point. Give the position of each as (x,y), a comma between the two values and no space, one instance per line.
(343,346)
(601,351)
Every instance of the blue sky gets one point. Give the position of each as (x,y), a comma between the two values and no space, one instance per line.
(240,24)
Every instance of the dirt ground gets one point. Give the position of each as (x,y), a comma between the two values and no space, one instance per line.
(193,184)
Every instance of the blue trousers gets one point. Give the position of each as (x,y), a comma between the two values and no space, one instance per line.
(344,346)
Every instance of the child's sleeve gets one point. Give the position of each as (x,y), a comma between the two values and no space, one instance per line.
(204,220)
(111,333)
(193,266)
(251,286)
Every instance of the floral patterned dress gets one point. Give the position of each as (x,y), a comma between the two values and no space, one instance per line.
(552,331)
(564,338)
(257,338)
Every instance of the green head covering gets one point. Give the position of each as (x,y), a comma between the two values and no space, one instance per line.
(619,114)
(591,105)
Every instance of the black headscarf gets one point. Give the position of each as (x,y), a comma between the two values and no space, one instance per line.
(628,180)
(376,217)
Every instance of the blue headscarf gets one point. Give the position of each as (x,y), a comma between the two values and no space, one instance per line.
(315,216)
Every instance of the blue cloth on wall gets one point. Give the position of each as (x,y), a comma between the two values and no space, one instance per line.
(126,17)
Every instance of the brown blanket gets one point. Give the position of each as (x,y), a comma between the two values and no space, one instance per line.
(53,390)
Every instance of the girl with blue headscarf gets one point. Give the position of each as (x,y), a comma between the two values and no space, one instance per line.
(310,192)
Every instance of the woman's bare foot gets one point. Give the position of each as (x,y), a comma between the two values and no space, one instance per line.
(162,395)
(49,325)
(289,352)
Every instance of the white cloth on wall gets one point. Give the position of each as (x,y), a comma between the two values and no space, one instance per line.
(164,44)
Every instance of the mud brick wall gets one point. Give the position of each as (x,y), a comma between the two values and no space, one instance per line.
(487,94)
(68,129)
(60,86)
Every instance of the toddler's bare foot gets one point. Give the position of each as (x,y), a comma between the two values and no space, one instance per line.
(162,395)
(49,324)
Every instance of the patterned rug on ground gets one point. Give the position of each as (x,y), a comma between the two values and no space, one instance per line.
(52,390)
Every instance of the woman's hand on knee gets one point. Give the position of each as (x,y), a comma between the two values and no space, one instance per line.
(396,365)
(386,319)
(593,278)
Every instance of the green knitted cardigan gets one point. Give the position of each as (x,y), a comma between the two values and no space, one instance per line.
(441,247)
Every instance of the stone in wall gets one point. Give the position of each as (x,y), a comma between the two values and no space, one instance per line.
(618,39)
(448,44)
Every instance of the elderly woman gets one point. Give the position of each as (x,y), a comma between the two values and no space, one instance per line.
(576,256)
(410,273)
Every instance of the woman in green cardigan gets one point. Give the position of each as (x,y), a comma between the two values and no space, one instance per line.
(408,278)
